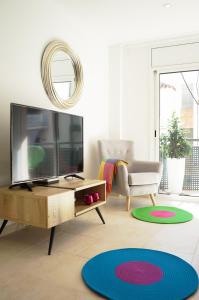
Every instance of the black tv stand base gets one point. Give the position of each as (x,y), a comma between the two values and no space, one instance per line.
(22,185)
(75,176)
(46,181)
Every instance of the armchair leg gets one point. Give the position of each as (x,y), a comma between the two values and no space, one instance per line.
(128,202)
(152,199)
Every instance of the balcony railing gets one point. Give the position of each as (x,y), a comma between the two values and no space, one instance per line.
(191,176)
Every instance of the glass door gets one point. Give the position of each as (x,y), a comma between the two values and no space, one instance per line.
(179,96)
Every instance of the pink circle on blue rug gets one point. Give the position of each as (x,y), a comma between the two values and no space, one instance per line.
(139,272)
(162,214)
(135,273)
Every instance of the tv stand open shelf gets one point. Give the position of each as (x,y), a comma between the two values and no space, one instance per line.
(82,188)
(49,206)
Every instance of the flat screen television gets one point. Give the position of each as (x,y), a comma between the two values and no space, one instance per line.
(44,143)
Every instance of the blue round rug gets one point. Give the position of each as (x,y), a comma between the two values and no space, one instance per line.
(143,274)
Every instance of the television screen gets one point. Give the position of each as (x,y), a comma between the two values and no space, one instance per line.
(44,143)
(70,144)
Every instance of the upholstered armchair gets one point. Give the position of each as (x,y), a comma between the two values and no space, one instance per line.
(138,177)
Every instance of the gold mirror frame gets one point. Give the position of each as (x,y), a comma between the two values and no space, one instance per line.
(48,53)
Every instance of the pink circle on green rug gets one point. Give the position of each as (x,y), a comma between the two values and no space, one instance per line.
(139,272)
(162,214)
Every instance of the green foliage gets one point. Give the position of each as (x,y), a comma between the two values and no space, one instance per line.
(174,144)
(164,146)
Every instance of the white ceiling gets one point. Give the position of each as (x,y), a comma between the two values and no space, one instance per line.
(126,21)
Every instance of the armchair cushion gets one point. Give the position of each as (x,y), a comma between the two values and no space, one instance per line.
(143,178)
(145,166)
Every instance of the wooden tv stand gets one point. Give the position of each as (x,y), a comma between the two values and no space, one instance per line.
(49,206)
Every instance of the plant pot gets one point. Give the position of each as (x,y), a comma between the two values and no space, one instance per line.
(175,169)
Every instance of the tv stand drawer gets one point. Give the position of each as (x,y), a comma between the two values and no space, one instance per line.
(60,209)
(44,207)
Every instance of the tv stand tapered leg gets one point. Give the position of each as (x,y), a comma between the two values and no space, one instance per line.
(3,225)
(52,234)
(99,214)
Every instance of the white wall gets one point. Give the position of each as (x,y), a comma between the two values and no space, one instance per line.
(136,90)
(129,92)
(25,29)
(115,91)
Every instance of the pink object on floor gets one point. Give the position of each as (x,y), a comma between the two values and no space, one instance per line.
(162,214)
(139,272)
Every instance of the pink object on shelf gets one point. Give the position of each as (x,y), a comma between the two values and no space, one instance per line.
(96,196)
(88,199)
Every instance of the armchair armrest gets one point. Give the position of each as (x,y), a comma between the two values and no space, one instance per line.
(146,166)
(122,180)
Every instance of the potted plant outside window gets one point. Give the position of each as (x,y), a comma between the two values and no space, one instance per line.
(175,148)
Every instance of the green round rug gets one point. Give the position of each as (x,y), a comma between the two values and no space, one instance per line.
(162,214)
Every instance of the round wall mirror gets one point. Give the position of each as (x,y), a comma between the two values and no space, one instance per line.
(62,74)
